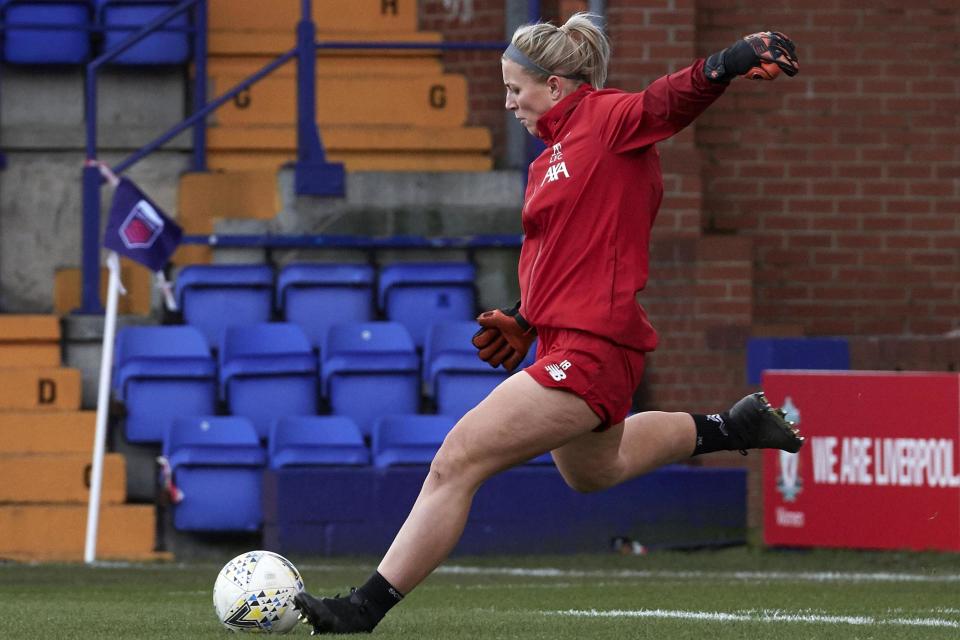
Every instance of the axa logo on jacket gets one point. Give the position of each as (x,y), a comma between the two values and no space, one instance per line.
(557,166)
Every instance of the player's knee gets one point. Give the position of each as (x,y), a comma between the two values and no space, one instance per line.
(453,462)
(589,480)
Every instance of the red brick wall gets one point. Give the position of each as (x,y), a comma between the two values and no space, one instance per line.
(847,176)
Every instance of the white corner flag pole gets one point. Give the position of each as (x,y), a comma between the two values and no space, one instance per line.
(114,288)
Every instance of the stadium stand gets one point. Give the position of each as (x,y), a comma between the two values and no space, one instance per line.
(268,370)
(210,457)
(453,375)
(68,43)
(408,439)
(214,297)
(421,128)
(299,441)
(370,369)
(45,442)
(161,373)
(316,296)
(409,292)
(121,18)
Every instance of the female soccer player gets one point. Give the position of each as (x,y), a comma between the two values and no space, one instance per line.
(592,197)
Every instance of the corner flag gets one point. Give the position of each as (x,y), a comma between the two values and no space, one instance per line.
(138,229)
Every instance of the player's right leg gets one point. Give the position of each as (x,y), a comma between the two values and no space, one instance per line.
(520,419)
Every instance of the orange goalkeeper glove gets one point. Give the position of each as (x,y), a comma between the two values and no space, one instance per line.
(759,56)
(504,337)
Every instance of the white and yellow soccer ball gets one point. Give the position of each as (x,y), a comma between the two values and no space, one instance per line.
(254,592)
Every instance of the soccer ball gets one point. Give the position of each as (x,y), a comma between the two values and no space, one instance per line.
(254,592)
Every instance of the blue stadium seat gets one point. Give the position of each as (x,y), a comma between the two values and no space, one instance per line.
(268,370)
(161,373)
(122,18)
(370,369)
(213,297)
(417,294)
(795,353)
(297,441)
(217,463)
(68,44)
(316,296)
(453,375)
(408,439)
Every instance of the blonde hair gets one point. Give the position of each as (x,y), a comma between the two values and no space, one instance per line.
(579,49)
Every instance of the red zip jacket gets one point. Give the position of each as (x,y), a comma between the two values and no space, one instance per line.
(592,197)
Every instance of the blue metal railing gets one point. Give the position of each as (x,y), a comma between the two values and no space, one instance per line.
(92,179)
(313,174)
(347,241)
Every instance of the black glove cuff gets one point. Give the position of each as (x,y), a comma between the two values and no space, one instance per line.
(514,312)
(733,61)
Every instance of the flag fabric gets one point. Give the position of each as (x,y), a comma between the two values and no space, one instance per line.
(138,229)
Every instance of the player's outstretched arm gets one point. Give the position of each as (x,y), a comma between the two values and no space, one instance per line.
(759,56)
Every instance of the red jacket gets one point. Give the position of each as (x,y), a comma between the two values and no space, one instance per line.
(592,197)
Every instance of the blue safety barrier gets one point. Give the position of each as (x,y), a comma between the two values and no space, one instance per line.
(795,353)
(526,510)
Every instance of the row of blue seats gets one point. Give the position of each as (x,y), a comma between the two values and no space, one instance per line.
(267,370)
(210,457)
(63,31)
(316,296)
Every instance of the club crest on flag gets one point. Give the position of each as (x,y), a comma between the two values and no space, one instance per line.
(142,227)
(138,229)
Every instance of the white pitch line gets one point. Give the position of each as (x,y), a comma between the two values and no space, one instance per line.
(761,616)
(800,576)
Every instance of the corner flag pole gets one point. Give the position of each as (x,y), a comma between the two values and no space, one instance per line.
(114,288)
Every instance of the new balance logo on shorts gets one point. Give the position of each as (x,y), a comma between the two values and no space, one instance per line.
(557,371)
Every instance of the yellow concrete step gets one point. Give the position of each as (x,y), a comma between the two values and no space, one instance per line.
(58,532)
(137,280)
(60,478)
(241,194)
(40,388)
(354,161)
(29,328)
(204,198)
(274,43)
(29,340)
(331,62)
(44,432)
(379,18)
(353,138)
(436,100)
(374,16)
(359,148)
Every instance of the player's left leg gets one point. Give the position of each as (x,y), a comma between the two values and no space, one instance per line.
(651,439)
(642,443)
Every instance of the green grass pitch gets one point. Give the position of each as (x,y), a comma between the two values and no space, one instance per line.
(713,595)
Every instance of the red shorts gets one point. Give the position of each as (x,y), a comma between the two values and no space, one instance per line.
(605,375)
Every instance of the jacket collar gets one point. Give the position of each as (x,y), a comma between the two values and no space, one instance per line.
(550,123)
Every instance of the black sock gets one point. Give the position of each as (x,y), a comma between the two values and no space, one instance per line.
(713,434)
(380,593)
